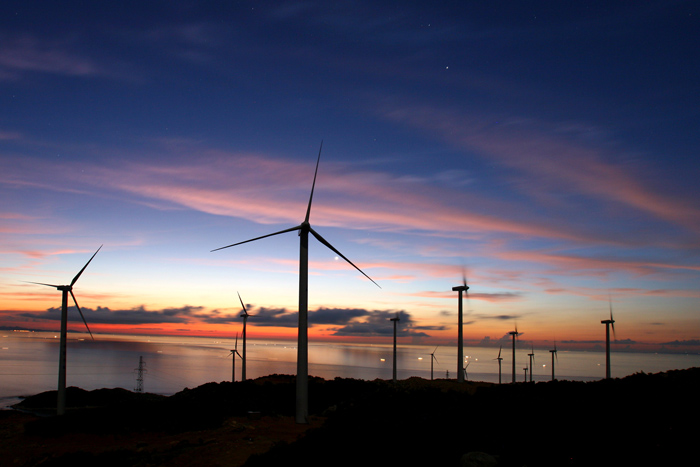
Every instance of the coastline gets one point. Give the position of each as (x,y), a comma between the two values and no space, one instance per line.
(414,422)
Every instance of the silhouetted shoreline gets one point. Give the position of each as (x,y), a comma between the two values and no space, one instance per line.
(638,420)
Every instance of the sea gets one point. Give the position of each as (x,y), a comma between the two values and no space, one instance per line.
(29,362)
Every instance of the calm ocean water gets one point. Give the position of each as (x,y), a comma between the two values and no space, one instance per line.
(29,361)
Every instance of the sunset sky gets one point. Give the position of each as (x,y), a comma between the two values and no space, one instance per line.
(548,148)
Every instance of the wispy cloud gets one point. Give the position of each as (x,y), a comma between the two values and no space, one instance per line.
(558,160)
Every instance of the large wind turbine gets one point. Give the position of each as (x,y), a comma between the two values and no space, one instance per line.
(233,354)
(532,359)
(245,316)
(515,335)
(499,358)
(66,289)
(432,358)
(396,321)
(460,349)
(608,324)
(302,381)
(554,354)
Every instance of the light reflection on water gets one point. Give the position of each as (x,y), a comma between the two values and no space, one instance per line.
(28,362)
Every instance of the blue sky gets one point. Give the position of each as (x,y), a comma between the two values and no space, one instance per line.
(549,149)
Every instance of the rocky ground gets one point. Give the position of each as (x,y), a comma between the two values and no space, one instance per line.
(644,419)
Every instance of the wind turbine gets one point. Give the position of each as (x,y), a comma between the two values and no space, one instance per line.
(395,320)
(66,289)
(302,381)
(554,354)
(499,358)
(525,380)
(532,359)
(608,324)
(245,316)
(460,349)
(515,336)
(466,375)
(233,353)
(433,358)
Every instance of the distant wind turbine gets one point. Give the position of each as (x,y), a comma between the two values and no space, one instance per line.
(608,324)
(466,375)
(395,320)
(515,336)
(460,348)
(499,358)
(302,380)
(433,358)
(554,354)
(233,354)
(66,289)
(525,380)
(245,317)
(532,360)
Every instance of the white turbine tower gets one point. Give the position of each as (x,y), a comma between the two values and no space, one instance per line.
(66,289)
(460,340)
(245,317)
(433,358)
(515,336)
(554,354)
(302,380)
(233,354)
(396,322)
(499,358)
(608,324)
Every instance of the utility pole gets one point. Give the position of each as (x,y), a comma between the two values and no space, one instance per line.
(139,375)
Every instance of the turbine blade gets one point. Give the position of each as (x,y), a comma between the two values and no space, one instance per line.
(499,351)
(242,305)
(313,185)
(41,283)
(258,238)
(331,247)
(236,346)
(75,279)
(81,314)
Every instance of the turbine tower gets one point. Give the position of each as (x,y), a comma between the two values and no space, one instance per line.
(302,380)
(66,289)
(460,349)
(395,320)
(554,354)
(499,358)
(608,324)
(525,380)
(532,359)
(515,336)
(233,353)
(245,317)
(433,358)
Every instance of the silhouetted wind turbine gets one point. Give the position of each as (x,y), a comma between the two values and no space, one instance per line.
(525,380)
(466,375)
(499,358)
(460,349)
(554,354)
(395,320)
(245,316)
(532,359)
(433,357)
(66,289)
(302,381)
(233,353)
(515,335)
(608,324)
